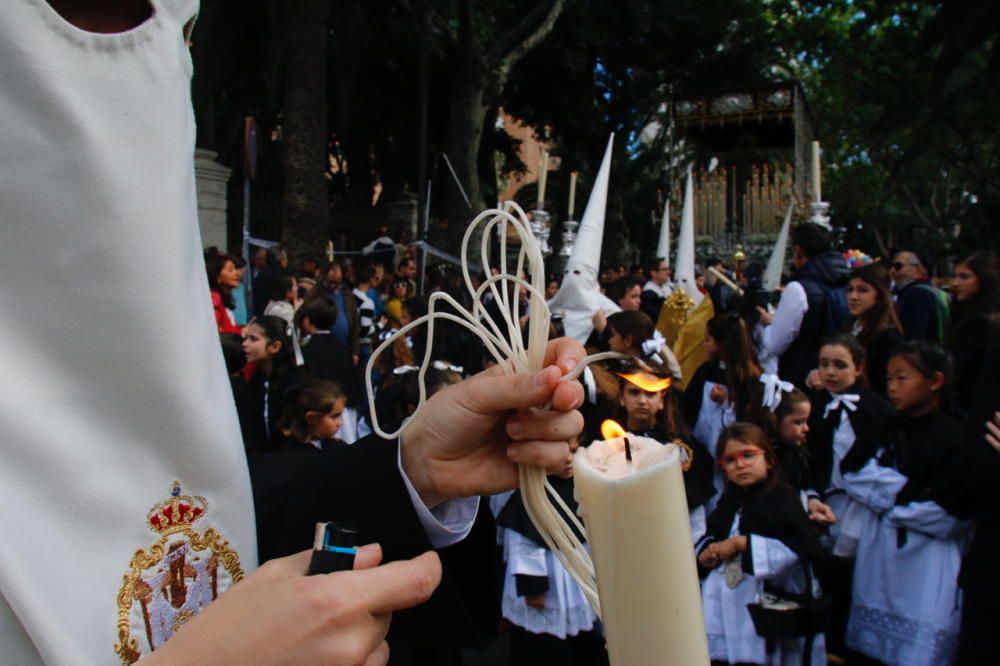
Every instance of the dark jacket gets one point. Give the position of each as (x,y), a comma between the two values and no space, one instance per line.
(824,278)
(260,434)
(650,302)
(981,466)
(970,337)
(361,485)
(325,359)
(774,512)
(873,420)
(878,351)
(923,311)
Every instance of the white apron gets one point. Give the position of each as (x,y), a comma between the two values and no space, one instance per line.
(109,395)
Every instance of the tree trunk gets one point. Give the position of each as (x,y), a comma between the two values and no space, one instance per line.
(480,76)
(305,157)
(466,114)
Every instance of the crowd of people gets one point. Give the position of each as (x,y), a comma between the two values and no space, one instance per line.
(829,455)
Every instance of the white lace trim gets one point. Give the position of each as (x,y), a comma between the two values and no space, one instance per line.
(559,622)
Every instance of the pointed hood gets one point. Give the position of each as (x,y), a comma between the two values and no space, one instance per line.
(772,275)
(684,268)
(663,247)
(580,297)
(586,255)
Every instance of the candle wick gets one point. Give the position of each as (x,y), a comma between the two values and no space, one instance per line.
(628,452)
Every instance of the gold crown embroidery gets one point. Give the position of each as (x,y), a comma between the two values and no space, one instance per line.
(169,583)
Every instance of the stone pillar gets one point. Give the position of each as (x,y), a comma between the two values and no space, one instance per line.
(211,179)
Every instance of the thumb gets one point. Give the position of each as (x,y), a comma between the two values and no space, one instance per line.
(495,394)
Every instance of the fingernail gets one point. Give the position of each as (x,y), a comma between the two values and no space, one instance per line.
(513,451)
(541,377)
(515,427)
(370,548)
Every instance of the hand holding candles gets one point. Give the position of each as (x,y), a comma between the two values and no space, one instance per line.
(636,519)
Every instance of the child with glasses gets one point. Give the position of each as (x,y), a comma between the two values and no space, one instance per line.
(758,535)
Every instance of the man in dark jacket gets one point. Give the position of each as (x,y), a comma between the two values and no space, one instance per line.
(812,306)
(922,307)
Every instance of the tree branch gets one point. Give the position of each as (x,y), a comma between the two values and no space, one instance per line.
(529,32)
(882,247)
(916,206)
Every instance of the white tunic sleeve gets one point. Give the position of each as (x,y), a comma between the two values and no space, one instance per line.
(448,522)
(787,321)
(524,556)
(926,517)
(770,556)
(875,486)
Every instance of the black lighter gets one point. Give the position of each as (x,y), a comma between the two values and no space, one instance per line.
(333,548)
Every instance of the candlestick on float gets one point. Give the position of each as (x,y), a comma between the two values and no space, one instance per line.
(817,185)
(572,194)
(543,173)
(636,518)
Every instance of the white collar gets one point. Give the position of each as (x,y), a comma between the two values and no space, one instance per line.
(848,400)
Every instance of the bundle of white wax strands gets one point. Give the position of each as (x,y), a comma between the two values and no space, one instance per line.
(505,342)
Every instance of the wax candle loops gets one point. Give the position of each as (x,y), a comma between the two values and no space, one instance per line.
(504,341)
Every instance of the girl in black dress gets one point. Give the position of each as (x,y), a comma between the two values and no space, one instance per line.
(306,429)
(267,343)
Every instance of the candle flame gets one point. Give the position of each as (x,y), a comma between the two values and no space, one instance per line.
(610,429)
(646,381)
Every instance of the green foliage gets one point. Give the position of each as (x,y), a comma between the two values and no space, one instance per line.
(904,95)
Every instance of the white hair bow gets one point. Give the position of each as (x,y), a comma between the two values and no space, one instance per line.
(774,386)
(437,365)
(651,348)
(444,365)
(848,400)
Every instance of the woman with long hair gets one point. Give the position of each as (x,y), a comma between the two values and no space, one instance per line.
(873,320)
(975,318)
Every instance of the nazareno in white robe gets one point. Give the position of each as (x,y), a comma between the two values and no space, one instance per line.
(115,384)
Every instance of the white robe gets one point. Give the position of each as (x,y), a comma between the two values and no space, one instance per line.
(731,634)
(906,604)
(566,611)
(850,513)
(110,396)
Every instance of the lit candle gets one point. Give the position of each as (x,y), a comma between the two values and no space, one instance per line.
(572,194)
(543,172)
(636,518)
(817,187)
